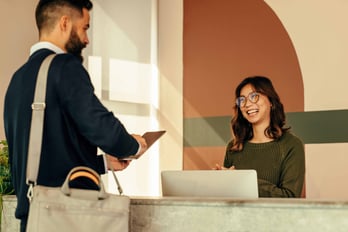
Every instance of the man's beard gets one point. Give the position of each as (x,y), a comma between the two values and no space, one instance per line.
(74,45)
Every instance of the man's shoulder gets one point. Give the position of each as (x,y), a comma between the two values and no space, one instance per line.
(41,54)
(67,64)
(67,58)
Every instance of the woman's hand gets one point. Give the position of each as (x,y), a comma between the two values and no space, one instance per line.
(118,165)
(219,167)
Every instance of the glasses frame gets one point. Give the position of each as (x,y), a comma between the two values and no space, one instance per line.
(253,97)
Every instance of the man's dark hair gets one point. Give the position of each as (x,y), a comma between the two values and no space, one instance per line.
(48,11)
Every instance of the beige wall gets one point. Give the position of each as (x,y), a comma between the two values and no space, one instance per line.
(18,34)
(319,34)
(170,66)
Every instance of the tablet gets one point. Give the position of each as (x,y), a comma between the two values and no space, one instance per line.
(150,137)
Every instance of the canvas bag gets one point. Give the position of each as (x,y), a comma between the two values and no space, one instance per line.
(64,208)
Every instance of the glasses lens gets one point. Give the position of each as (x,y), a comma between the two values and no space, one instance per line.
(254,97)
(240,101)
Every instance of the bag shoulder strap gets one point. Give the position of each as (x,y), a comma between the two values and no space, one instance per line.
(37,121)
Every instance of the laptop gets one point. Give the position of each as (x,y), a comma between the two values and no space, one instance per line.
(210,183)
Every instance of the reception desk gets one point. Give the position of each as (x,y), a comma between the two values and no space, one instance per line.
(232,215)
(237,215)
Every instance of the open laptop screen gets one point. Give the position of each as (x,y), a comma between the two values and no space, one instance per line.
(210,183)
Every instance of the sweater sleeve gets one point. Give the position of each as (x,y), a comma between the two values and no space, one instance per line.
(227,161)
(93,120)
(292,172)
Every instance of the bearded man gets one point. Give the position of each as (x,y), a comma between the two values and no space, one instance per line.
(76,123)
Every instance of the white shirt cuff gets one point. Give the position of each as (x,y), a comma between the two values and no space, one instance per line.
(139,149)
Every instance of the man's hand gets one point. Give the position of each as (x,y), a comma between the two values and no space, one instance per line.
(142,143)
(118,165)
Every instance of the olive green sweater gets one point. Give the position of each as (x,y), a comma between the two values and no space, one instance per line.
(280,165)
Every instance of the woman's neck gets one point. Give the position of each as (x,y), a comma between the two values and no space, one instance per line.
(259,135)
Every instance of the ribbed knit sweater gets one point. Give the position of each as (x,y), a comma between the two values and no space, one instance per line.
(280,165)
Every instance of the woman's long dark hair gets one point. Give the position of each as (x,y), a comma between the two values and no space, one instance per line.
(242,130)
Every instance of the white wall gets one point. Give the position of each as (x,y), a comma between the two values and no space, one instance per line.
(135,56)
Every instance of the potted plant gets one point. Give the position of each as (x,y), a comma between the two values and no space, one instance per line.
(5,175)
(6,186)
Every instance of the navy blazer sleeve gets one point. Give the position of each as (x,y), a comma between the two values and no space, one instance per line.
(97,124)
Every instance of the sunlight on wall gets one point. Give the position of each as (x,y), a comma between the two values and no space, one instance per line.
(94,69)
(131,82)
(141,178)
(123,68)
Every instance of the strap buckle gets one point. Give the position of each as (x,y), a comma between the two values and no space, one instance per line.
(30,192)
(38,106)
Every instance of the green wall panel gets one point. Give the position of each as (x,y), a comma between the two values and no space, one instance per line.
(312,127)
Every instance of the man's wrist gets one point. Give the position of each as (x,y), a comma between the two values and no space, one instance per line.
(139,149)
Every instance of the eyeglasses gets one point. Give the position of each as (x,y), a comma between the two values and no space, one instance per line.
(253,97)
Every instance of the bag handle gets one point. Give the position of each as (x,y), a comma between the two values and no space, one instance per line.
(82,171)
(119,188)
(37,119)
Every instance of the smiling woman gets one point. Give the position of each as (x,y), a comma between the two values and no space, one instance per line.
(262,142)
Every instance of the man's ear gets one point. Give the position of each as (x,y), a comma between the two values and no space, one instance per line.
(65,23)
